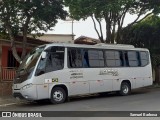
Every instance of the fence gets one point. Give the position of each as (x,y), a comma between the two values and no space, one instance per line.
(7,73)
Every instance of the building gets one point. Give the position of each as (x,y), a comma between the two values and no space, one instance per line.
(57,38)
(8,64)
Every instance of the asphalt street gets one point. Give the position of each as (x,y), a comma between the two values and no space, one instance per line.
(147,99)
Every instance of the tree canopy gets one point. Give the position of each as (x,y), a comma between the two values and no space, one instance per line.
(145,34)
(113,12)
(26,16)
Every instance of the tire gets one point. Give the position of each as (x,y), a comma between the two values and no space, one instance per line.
(125,89)
(58,95)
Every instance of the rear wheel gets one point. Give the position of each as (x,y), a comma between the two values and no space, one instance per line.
(58,95)
(125,89)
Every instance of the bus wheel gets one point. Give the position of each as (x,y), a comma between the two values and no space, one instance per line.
(58,95)
(125,89)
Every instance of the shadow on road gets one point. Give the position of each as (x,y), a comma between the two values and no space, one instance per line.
(87,97)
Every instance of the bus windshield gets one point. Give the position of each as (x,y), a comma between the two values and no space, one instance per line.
(31,59)
(27,66)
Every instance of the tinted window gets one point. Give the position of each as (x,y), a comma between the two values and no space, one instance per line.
(144,58)
(113,58)
(75,58)
(133,58)
(96,58)
(55,59)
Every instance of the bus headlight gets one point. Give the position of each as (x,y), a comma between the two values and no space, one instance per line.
(27,86)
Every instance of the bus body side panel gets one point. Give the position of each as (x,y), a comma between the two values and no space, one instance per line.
(42,86)
(138,76)
(97,82)
(77,83)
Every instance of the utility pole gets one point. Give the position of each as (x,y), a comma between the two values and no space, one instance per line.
(72,27)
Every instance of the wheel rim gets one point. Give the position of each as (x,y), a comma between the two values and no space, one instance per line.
(125,89)
(58,96)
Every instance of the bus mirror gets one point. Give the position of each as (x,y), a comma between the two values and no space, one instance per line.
(44,55)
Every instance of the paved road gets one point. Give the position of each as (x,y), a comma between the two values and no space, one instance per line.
(139,100)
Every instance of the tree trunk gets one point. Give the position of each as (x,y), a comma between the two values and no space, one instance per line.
(100,35)
(25,27)
(24,45)
(13,46)
(108,33)
(108,29)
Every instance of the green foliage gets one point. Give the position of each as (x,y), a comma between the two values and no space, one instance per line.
(4,36)
(145,34)
(155,60)
(26,16)
(113,11)
(41,14)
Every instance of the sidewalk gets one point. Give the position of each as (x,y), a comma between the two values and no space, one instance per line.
(8,100)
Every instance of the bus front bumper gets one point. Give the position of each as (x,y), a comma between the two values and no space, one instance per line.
(26,94)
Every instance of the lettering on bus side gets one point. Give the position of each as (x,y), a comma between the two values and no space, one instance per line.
(75,74)
(109,72)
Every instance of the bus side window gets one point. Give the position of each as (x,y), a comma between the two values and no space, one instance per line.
(75,58)
(41,67)
(55,60)
(96,58)
(113,58)
(133,58)
(144,58)
(49,64)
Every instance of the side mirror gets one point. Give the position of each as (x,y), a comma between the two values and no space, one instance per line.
(44,54)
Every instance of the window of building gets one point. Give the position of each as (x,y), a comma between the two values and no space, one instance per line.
(113,58)
(96,58)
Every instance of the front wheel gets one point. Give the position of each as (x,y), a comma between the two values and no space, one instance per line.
(58,95)
(125,89)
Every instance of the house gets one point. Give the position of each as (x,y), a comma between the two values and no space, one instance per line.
(8,64)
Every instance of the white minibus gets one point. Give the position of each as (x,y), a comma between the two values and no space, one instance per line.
(59,71)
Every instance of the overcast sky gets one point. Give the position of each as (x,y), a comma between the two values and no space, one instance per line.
(84,28)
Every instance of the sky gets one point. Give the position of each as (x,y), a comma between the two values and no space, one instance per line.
(83,28)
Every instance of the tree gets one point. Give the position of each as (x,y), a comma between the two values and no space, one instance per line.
(145,34)
(26,16)
(113,12)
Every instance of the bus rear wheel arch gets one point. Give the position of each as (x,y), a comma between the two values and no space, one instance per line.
(125,88)
(58,94)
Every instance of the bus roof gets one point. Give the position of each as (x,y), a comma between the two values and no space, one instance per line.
(98,46)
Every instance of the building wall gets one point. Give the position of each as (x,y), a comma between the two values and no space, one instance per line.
(5,85)
(4,56)
(57,38)
(4,59)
